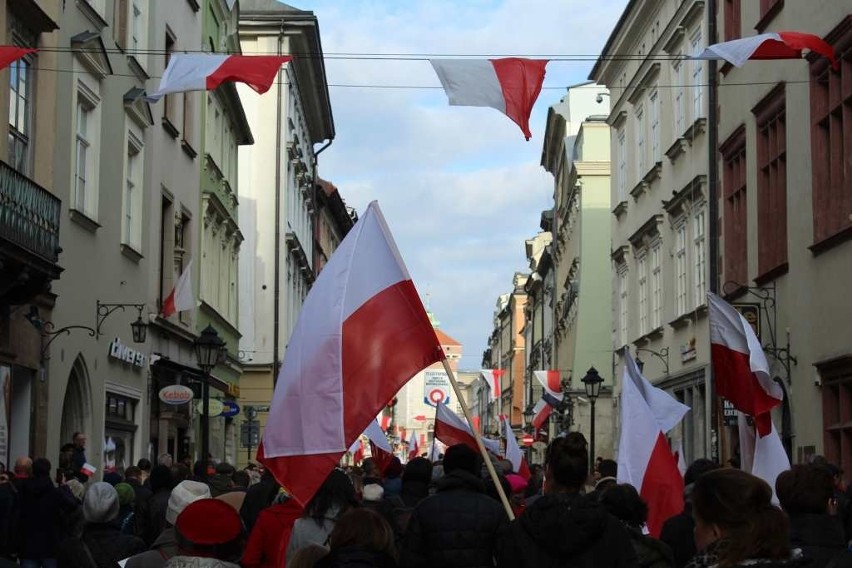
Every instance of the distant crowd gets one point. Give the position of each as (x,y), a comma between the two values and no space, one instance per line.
(421,514)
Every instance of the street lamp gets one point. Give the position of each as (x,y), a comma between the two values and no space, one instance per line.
(528,416)
(592,382)
(209,352)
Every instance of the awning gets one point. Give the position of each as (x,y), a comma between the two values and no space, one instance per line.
(166,365)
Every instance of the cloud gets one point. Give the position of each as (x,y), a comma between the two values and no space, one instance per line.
(460,187)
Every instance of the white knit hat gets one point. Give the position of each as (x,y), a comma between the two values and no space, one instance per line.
(373,492)
(182,495)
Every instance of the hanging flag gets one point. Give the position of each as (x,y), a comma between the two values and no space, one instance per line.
(451,429)
(362,333)
(780,45)
(206,71)
(180,299)
(385,422)
(11,53)
(413,446)
(645,459)
(551,396)
(357,451)
(739,364)
(492,379)
(761,456)
(510,85)
(380,449)
(513,451)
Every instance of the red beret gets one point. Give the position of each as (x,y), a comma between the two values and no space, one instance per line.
(210,528)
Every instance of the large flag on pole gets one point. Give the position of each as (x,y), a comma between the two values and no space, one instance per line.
(774,45)
(361,335)
(551,396)
(739,365)
(451,429)
(492,378)
(645,459)
(206,71)
(380,449)
(510,85)
(513,451)
(180,298)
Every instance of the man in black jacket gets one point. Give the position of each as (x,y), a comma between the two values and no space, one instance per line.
(78,458)
(459,526)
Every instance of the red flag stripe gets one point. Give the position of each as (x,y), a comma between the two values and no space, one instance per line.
(256,71)
(520,80)
(662,486)
(735,381)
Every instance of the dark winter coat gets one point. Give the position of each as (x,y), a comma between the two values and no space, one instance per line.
(258,497)
(458,526)
(650,552)
(141,508)
(709,558)
(355,557)
(155,520)
(678,534)
(106,545)
(39,515)
(268,540)
(821,538)
(8,518)
(164,548)
(566,530)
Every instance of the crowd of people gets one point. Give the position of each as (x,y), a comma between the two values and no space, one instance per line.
(421,514)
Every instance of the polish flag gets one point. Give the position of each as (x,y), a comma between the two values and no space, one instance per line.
(206,71)
(645,459)
(780,45)
(380,449)
(357,451)
(513,451)
(762,456)
(180,298)
(739,364)
(510,85)
(451,429)
(362,333)
(551,396)
(413,446)
(9,54)
(492,378)
(385,423)
(88,469)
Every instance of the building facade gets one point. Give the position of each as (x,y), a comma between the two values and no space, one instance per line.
(785,202)
(659,156)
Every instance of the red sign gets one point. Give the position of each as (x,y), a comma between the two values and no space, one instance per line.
(527,440)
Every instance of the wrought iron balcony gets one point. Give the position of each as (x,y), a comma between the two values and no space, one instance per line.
(29,214)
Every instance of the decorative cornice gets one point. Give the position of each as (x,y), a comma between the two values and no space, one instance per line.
(648,230)
(91,52)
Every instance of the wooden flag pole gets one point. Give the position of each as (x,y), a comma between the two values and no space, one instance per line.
(491,471)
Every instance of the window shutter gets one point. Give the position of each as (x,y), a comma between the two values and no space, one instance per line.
(121,23)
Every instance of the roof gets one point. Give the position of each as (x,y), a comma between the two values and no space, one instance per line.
(609,42)
(266,6)
(445,340)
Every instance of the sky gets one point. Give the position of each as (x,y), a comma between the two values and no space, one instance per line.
(459,186)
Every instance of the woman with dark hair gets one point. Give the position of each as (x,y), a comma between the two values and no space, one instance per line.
(625,504)
(334,498)
(161,489)
(736,522)
(562,527)
(361,538)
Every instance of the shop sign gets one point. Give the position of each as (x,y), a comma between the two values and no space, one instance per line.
(216,407)
(729,413)
(176,394)
(123,353)
(751,313)
(231,408)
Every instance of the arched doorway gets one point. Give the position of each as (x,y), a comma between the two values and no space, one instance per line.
(76,407)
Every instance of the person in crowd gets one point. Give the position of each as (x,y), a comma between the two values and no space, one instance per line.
(206,544)
(534,483)
(737,524)
(624,503)
(308,556)
(393,478)
(517,487)
(268,541)
(607,477)
(179,473)
(806,493)
(23,471)
(66,457)
(165,459)
(166,544)
(39,516)
(133,476)
(71,521)
(144,465)
(78,458)
(8,514)
(677,531)
(223,480)
(459,525)
(334,498)
(161,489)
(258,497)
(102,545)
(112,477)
(360,538)
(126,519)
(237,495)
(415,482)
(253,473)
(199,471)
(563,527)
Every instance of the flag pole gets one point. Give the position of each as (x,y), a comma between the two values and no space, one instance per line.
(479,443)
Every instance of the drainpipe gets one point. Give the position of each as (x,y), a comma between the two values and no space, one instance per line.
(276,320)
(713,217)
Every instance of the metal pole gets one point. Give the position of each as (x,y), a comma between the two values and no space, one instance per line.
(205,422)
(592,438)
(713,213)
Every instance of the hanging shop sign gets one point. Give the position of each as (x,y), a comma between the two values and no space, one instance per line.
(176,394)
(751,313)
(123,353)
(216,407)
(231,408)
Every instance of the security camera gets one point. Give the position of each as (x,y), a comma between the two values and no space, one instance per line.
(599,98)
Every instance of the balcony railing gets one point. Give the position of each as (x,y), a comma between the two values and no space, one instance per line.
(29,214)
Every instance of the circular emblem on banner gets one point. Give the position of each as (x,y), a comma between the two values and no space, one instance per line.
(437,395)
(216,407)
(176,394)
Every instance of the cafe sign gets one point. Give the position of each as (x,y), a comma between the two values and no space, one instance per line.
(176,394)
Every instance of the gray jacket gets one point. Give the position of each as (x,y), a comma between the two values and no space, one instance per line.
(306,531)
(164,548)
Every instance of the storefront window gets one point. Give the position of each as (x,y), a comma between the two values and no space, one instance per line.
(119,432)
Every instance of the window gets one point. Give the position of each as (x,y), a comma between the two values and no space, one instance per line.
(697,79)
(119,429)
(622,167)
(735,221)
(770,119)
(170,101)
(188,120)
(680,268)
(132,229)
(20,114)
(837,411)
(831,138)
(680,100)
(733,25)
(130,186)
(622,305)
(654,103)
(656,285)
(642,272)
(699,254)
(167,217)
(87,125)
(640,141)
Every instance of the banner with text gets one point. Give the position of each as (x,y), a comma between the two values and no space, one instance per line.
(436,388)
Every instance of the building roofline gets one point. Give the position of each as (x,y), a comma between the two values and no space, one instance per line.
(593,75)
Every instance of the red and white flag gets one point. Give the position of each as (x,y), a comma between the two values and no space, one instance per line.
(180,298)
(645,459)
(385,423)
(357,451)
(11,53)
(88,469)
(739,364)
(380,449)
(451,429)
(362,333)
(551,396)
(510,85)
(206,71)
(492,378)
(413,446)
(513,451)
(775,45)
